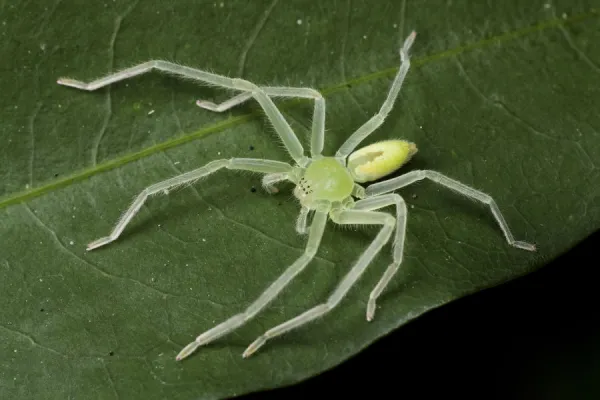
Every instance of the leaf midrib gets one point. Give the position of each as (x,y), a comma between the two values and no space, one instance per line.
(108,165)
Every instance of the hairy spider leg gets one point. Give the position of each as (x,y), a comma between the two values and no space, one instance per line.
(418,175)
(372,124)
(375,203)
(269,181)
(284,130)
(226,105)
(246,164)
(318,123)
(353,217)
(314,240)
(302,220)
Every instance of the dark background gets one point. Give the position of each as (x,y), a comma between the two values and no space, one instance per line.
(536,337)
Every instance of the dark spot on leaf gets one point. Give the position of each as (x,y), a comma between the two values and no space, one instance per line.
(253,189)
(41,309)
(251,147)
(55,175)
(112,353)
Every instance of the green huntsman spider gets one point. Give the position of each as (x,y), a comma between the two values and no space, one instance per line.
(325,186)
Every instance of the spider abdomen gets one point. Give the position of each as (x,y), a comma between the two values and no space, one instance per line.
(379,159)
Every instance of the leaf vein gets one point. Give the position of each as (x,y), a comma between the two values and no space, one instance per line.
(96,268)
(29,338)
(110,379)
(499,104)
(259,26)
(343,60)
(577,50)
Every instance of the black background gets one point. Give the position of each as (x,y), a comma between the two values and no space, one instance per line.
(536,337)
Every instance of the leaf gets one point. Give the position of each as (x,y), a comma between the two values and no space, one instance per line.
(501,98)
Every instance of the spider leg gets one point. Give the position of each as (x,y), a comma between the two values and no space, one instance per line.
(281,126)
(341,217)
(372,124)
(314,239)
(375,203)
(301,222)
(247,164)
(226,105)
(415,176)
(318,123)
(269,181)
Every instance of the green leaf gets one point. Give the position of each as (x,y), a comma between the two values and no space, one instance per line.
(503,98)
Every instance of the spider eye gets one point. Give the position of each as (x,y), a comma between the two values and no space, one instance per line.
(379,159)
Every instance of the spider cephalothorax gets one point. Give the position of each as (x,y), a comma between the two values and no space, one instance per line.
(327,186)
(325,179)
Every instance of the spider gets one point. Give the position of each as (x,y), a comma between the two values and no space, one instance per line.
(326,186)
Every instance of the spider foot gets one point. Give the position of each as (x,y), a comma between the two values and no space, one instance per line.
(187,350)
(207,105)
(525,246)
(71,83)
(258,343)
(371,309)
(99,242)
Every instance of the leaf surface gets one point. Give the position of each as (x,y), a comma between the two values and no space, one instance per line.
(500,98)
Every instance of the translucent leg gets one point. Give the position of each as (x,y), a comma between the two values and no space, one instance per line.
(301,222)
(342,217)
(318,124)
(358,191)
(372,124)
(270,180)
(247,164)
(281,126)
(414,176)
(314,240)
(375,203)
(226,105)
